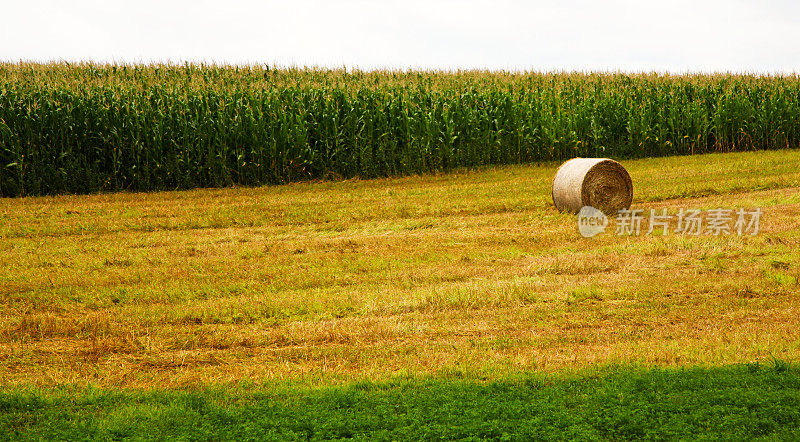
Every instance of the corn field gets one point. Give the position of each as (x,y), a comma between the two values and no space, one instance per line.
(88,128)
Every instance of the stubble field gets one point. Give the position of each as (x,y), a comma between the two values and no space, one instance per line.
(468,277)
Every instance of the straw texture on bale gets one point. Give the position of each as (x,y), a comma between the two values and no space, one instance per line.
(598,182)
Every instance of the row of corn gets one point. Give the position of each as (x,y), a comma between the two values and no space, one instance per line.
(86,128)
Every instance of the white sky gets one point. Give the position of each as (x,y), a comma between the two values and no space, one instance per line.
(677,36)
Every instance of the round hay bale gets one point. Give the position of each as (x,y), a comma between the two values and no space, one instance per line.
(598,182)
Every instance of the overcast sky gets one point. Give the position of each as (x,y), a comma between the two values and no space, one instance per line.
(677,36)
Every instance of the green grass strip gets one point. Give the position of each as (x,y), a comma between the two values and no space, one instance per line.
(734,402)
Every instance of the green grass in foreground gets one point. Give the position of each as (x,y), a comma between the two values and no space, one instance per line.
(742,401)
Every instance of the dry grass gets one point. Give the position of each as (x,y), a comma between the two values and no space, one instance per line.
(466,272)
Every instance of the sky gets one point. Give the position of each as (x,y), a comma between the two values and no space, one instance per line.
(614,35)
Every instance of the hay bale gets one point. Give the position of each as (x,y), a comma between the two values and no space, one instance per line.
(598,182)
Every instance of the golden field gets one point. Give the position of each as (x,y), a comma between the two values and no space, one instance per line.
(470,272)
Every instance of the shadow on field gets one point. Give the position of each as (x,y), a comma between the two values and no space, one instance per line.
(741,401)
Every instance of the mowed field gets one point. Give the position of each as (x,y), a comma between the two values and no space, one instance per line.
(472,271)
(469,275)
